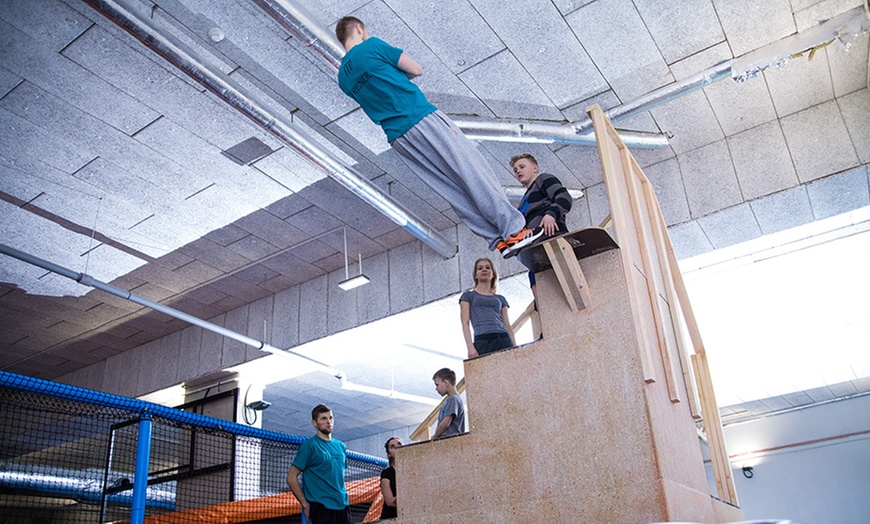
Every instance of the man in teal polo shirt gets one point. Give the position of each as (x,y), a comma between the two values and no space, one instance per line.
(321,460)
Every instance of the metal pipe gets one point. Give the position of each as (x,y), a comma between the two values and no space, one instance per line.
(536,132)
(306,29)
(323,43)
(234,94)
(88,280)
(140,474)
(748,65)
(660,96)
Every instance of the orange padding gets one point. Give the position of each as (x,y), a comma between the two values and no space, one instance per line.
(285,504)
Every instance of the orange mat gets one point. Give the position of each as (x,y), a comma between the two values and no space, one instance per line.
(283,505)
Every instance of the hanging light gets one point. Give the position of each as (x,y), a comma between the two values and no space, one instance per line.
(352,282)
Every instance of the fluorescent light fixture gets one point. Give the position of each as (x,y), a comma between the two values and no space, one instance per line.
(390,393)
(352,282)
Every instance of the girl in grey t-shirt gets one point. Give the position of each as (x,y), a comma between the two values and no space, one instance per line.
(486,312)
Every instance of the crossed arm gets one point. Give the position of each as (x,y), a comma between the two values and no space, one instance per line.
(408,66)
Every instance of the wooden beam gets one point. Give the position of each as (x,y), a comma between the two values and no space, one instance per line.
(715,437)
(568,272)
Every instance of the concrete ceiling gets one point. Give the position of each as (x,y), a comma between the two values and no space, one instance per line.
(115,163)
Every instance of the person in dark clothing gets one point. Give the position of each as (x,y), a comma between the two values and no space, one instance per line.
(388,480)
(545,203)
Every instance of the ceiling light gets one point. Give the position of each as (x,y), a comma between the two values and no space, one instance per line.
(352,282)
(389,393)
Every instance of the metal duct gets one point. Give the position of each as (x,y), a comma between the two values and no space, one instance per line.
(516,193)
(306,29)
(88,280)
(323,43)
(844,27)
(536,132)
(660,96)
(185,59)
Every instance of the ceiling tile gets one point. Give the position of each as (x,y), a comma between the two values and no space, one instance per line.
(546,47)
(709,179)
(855,109)
(783,210)
(40,23)
(800,84)
(54,73)
(689,240)
(217,256)
(681,28)
(358,126)
(739,107)
(818,141)
(267,226)
(293,72)
(290,169)
(849,66)
(668,186)
(839,193)
(730,226)
(750,24)
(761,161)
(569,6)
(584,164)
(809,13)
(690,120)
(489,80)
(471,40)
(632,66)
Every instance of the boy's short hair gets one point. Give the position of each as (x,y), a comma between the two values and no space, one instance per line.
(445,374)
(344,26)
(517,158)
(318,409)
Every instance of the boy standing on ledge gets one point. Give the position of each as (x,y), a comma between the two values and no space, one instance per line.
(451,418)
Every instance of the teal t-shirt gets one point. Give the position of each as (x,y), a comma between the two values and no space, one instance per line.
(369,74)
(323,463)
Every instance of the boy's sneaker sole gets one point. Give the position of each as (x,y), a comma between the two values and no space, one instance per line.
(530,239)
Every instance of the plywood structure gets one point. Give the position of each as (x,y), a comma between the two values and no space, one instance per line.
(596,421)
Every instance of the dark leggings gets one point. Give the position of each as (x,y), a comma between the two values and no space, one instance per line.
(491,342)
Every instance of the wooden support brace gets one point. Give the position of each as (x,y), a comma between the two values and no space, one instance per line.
(567,269)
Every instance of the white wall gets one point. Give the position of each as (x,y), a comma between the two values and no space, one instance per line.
(374,444)
(810,465)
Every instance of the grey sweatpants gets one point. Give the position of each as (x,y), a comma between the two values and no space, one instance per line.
(437,151)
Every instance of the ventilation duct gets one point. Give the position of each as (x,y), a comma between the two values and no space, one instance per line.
(843,28)
(536,132)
